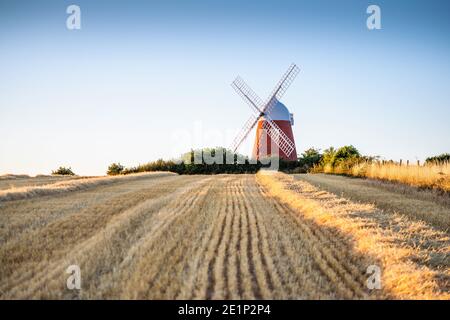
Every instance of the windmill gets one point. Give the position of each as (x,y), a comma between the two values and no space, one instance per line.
(273,120)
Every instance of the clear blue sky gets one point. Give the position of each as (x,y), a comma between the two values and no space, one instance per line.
(149,79)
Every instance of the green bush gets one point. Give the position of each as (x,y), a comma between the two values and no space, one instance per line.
(339,161)
(187,165)
(115,169)
(346,152)
(309,158)
(63,171)
(328,156)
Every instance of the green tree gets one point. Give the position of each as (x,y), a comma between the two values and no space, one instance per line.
(115,169)
(310,157)
(346,152)
(328,155)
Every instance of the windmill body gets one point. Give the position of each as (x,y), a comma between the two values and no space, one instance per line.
(272,119)
(263,143)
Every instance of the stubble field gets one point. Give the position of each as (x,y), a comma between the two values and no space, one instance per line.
(164,236)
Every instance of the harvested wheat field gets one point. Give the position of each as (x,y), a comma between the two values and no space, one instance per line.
(264,236)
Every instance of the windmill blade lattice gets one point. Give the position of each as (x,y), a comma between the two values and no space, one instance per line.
(281,87)
(248,126)
(249,96)
(278,136)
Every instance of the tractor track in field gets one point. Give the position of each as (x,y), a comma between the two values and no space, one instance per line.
(258,267)
(204,279)
(217,275)
(161,254)
(323,250)
(336,270)
(200,260)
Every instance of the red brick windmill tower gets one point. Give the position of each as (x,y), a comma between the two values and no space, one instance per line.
(272,120)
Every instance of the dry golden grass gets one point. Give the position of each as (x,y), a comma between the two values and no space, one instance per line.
(427,205)
(10,176)
(192,237)
(16,181)
(32,189)
(414,257)
(90,235)
(173,237)
(427,176)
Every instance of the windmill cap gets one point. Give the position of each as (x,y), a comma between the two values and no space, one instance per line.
(279,112)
